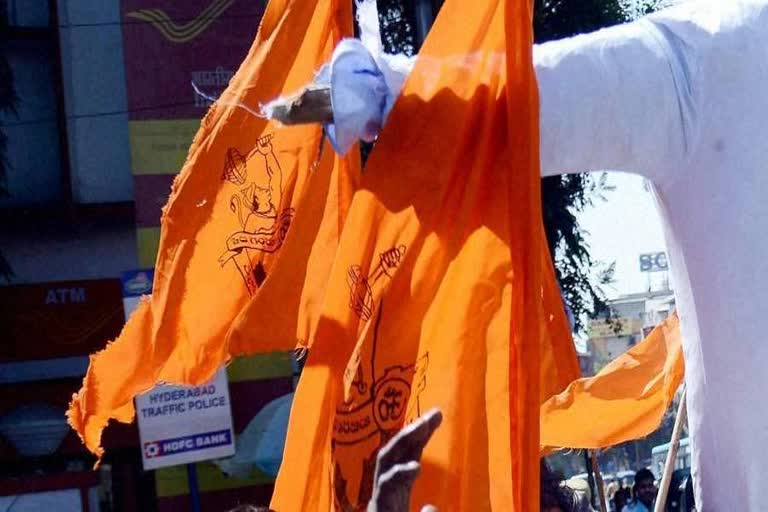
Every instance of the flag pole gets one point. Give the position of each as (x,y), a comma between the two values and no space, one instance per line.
(598,481)
(312,105)
(669,465)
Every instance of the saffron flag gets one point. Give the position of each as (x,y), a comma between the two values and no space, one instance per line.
(442,292)
(559,362)
(248,191)
(625,400)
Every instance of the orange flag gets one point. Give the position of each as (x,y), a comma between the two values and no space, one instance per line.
(625,401)
(249,191)
(558,360)
(442,288)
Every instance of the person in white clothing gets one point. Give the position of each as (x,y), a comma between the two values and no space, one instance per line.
(681,98)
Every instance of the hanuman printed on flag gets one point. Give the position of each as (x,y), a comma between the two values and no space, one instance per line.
(243,185)
(257,181)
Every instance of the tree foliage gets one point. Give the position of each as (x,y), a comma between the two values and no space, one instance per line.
(563,197)
(556,19)
(398,34)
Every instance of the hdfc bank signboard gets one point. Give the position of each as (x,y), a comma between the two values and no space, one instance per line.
(181,425)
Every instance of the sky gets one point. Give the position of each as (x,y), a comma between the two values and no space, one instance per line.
(627,224)
(622,227)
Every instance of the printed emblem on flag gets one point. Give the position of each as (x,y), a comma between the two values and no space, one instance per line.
(258,179)
(360,286)
(378,402)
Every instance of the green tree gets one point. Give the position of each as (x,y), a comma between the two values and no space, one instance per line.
(563,197)
(397,26)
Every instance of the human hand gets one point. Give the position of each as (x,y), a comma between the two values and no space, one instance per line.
(264,145)
(397,465)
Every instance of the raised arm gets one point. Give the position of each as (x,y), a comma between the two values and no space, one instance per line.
(275,174)
(616,99)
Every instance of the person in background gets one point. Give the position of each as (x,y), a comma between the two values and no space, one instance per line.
(552,500)
(620,498)
(580,487)
(610,492)
(644,492)
(557,496)
(689,503)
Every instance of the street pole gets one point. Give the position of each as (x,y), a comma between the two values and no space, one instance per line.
(194,490)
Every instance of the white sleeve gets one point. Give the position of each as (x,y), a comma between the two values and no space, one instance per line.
(617,99)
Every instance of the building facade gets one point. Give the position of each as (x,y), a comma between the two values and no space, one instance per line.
(631,317)
(103,117)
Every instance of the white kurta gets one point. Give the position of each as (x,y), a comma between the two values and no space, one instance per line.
(681,98)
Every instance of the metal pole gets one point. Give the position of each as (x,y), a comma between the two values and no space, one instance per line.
(194,491)
(669,465)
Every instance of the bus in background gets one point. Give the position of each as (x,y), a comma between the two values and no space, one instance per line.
(659,457)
